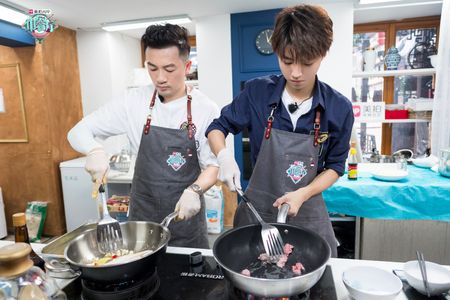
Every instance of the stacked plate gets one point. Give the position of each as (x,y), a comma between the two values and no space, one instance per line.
(389,174)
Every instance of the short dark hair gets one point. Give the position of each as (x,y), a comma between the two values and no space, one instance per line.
(305,31)
(167,35)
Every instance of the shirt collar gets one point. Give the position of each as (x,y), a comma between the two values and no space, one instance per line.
(275,98)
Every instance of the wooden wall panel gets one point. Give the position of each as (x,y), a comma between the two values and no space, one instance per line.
(52,98)
(63,97)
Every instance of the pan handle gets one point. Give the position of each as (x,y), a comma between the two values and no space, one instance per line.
(169,219)
(283,212)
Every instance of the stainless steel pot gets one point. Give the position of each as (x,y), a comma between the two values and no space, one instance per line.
(444,162)
(137,236)
(399,155)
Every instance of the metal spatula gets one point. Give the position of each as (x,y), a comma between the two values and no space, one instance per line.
(271,237)
(109,234)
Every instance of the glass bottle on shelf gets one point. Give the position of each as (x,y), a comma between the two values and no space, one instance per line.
(21,236)
(21,280)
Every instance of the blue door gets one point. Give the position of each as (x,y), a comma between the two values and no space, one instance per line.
(248,63)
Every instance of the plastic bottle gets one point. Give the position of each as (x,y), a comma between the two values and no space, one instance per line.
(352,163)
(21,236)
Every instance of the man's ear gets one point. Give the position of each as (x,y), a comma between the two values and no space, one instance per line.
(187,67)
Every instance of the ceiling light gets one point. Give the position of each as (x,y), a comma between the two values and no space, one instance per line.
(12,15)
(144,23)
(362,2)
(409,4)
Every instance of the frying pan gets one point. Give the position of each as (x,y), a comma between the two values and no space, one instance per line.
(137,236)
(236,249)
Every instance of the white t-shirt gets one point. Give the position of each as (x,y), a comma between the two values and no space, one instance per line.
(127,114)
(303,108)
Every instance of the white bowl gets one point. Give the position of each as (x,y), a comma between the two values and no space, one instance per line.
(438,277)
(367,283)
(390,174)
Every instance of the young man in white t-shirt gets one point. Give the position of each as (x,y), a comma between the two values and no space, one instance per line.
(166,126)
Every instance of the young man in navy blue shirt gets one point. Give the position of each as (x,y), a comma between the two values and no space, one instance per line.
(299,127)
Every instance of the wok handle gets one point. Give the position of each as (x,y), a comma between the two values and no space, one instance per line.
(283,212)
(58,267)
(169,219)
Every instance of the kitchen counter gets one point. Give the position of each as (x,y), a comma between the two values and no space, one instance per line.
(338,266)
(423,195)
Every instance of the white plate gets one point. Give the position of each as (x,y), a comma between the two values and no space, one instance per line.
(390,174)
(425,162)
(370,283)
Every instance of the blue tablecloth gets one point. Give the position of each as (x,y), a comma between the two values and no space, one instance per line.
(423,195)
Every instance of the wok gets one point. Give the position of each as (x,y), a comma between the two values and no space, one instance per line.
(236,249)
(137,236)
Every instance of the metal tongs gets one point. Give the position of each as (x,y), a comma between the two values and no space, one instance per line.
(423,271)
(109,234)
(271,237)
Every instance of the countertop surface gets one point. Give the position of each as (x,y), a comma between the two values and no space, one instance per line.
(338,266)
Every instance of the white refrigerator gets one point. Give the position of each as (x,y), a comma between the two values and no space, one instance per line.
(79,207)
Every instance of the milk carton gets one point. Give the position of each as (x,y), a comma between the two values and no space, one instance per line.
(214,207)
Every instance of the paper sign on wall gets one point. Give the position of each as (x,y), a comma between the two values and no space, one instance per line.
(2,102)
(368,111)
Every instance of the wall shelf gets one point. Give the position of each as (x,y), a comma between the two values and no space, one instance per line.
(387,73)
(394,121)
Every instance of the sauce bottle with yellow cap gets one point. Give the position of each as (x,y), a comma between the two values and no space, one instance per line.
(352,163)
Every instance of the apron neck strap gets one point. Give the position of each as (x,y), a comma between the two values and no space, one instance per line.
(316,124)
(317,127)
(149,116)
(269,122)
(189,115)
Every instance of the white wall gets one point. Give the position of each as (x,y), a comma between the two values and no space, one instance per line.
(106,61)
(336,68)
(95,70)
(214,60)
(125,55)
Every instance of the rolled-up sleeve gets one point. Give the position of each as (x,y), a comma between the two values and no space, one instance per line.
(235,116)
(339,146)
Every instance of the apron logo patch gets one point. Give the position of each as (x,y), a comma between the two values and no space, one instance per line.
(296,171)
(176,160)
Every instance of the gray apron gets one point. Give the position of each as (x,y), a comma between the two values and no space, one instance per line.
(166,164)
(286,162)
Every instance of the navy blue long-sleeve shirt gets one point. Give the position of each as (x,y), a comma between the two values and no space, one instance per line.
(251,108)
